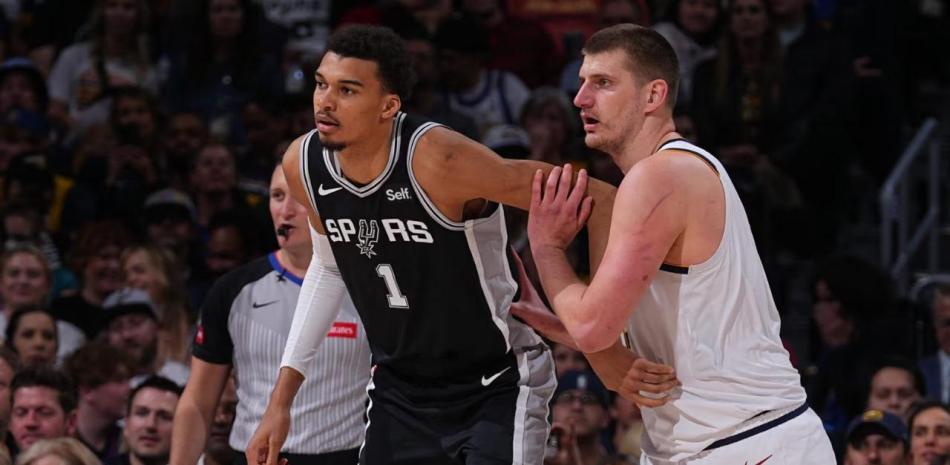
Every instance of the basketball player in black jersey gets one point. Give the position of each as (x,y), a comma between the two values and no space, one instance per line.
(407,217)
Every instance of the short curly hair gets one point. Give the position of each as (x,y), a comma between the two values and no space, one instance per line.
(382,46)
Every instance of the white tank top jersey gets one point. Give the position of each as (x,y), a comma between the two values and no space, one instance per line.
(717,324)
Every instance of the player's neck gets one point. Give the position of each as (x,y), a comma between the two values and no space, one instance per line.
(295,261)
(654,132)
(364,160)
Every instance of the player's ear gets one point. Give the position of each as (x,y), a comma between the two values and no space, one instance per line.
(655,94)
(391,106)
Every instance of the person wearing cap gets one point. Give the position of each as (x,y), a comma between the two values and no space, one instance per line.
(580,417)
(131,324)
(876,437)
(244,325)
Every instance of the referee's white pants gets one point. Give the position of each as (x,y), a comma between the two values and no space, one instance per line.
(799,441)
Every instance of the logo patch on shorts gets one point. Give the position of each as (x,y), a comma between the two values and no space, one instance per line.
(342,329)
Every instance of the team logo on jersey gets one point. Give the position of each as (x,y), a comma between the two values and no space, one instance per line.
(368,236)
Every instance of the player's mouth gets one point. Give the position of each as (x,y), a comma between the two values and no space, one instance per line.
(326,123)
(284,230)
(589,122)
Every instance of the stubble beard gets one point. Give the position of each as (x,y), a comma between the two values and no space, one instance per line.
(331,145)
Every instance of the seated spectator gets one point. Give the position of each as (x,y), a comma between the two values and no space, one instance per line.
(628,428)
(95,257)
(936,368)
(519,45)
(32,335)
(895,385)
(131,321)
(24,225)
(489,97)
(876,438)
(9,365)
(101,373)
(185,134)
(427,98)
(266,124)
(566,359)
(65,451)
(929,427)
(219,451)
(25,280)
(552,126)
(148,423)
(44,406)
(156,271)
(692,28)
(86,72)
(23,87)
(214,184)
(580,417)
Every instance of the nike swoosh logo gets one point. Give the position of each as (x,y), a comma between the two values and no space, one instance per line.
(322,191)
(257,305)
(487,381)
(760,462)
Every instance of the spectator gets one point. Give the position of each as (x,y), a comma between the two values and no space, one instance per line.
(9,365)
(25,280)
(427,98)
(609,13)
(265,125)
(66,451)
(156,271)
(169,217)
(628,428)
(489,97)
(95,257)
(580,417)
(132,326)
(223,65)
(44,406)
(24,225)
(929,427)
(895,385)
(117,53)
(327,424)
(519,45)
(214,183)
(876,438)
(229,244)
(148,423)
(219,451)
(32,335)
(936,368)
(185,135)
(566,359)
(692,28)
(552,126)
(22,87)
(101,373)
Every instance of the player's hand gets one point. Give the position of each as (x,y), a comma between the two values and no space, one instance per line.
(558,210)
(264,446)
(646,376)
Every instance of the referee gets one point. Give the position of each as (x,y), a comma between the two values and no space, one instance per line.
(244,323)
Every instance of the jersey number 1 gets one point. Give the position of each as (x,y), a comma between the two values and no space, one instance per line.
(394,295)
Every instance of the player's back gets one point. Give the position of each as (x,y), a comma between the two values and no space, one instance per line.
(433,293)
(717,324)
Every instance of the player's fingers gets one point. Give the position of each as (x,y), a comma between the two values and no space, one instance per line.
(272,450)
(648,402)
(652,367)
(587,206)
(536,189)
(283,461)
(579,191)
(658,388)
(550,190)
(564,184)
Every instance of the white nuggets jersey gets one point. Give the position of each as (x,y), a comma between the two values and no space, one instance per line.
(717,324)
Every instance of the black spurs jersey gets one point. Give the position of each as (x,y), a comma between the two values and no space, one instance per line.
(433,293)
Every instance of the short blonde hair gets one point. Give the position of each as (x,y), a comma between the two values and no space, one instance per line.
(70,450)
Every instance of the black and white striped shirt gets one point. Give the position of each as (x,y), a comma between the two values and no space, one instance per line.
(245,321)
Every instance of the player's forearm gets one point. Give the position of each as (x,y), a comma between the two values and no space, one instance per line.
(545,322)
(566,293)
(288,383)
(611,364)
(189,431)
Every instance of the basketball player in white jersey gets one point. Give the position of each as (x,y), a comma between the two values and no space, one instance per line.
(681,273)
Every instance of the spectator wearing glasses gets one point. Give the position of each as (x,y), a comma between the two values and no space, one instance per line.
(579,420)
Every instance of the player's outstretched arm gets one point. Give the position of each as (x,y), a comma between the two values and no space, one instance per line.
(195,410)
(647,219)
(465,170)
(318,304)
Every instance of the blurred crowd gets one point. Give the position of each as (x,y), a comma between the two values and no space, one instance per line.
(138,138)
